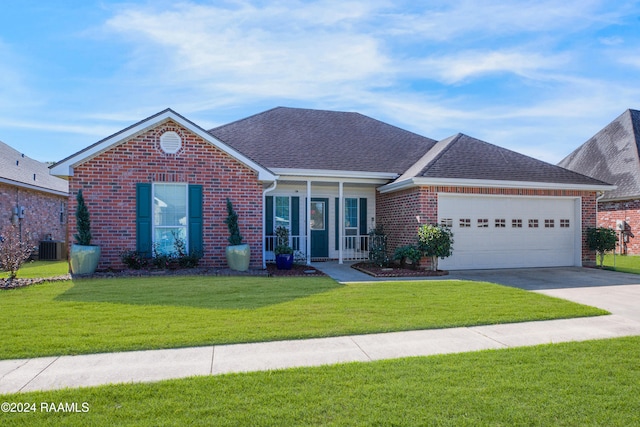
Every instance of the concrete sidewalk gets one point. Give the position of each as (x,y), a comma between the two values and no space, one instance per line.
(623,301)
(49,373)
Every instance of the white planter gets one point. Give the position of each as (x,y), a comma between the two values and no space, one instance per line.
(84,259)
(238,257)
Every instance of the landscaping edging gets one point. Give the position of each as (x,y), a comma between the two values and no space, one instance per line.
(20,283)
(395,271)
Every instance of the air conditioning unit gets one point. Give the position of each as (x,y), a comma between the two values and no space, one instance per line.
(51,250)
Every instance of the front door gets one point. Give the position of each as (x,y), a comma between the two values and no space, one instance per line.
(319,228)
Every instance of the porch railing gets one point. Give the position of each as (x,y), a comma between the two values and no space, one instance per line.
(356,248)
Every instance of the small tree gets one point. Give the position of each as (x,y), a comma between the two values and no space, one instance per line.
(435,241)
(14,251)
(601,240)
(235,238)
(83,223)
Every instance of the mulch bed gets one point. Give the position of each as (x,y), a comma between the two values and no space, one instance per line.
(395,271)
(297,270)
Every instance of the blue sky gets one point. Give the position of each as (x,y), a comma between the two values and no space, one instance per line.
(538,77)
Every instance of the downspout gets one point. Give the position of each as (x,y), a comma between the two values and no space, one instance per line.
(264,221)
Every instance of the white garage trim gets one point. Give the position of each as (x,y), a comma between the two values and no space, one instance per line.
(506,231)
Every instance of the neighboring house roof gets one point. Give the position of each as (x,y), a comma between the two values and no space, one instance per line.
(65,167)
(295,138)
(611,155)
(22,171)
(463,160)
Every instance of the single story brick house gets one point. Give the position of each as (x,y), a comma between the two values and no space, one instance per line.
(329,177)
(30,197)
(612,155)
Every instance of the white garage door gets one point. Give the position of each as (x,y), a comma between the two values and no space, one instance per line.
(511,232)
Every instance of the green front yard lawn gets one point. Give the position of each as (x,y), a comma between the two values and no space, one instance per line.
(37,269)
(571,384)
(623,263)
(102,315)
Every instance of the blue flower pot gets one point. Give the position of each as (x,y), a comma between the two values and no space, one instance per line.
(284,261)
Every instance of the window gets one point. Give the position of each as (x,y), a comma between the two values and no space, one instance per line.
(565,223)
(483,222)
(516,223)
(446,222)
(549,223)
(63,208)
(351,216)
(169,216)
(465,222)
(533,223)
(501,223)
(282,213)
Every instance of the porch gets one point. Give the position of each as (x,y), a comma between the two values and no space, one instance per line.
(328,217)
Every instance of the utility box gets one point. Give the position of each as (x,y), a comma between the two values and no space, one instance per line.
(51,250)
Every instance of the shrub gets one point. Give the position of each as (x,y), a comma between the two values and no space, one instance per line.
(435,241)
(409,252)
(14,251)
(601,240)
(282,241)
(235,238)
(378,247)
(133,260)
(83,223)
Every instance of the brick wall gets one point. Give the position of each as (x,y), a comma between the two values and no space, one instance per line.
(397,211)
(109,180)
(42,211)
(626,210)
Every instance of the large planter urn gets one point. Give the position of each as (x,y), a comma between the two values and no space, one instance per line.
(238,257)
(84,259)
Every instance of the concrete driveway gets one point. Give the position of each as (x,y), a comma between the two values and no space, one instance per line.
(616,292)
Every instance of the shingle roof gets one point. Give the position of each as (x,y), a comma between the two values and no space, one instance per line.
(17,168)
(611,155)
(464,157)
(316,139)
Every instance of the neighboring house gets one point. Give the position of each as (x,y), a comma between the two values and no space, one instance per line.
(30,197)
(612,156)
(166,176)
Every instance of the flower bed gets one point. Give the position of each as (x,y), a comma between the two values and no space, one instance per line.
(395,271)
(297,270)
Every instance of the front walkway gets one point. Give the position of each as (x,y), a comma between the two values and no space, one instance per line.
(622,300)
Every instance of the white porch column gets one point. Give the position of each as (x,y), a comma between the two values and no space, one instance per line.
(340,221)
(308,222)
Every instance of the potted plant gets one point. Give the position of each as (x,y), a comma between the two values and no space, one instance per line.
(238,254)
(284,252)
(84,256)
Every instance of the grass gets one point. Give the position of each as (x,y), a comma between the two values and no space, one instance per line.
(623,263)
(571,384)
(37,269)
(103,315)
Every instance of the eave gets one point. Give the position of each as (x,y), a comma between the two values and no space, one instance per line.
(463,182)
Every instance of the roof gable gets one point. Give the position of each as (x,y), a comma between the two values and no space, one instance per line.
(467,161)
(18,169)
(65,166)
(296,138)
(611,155)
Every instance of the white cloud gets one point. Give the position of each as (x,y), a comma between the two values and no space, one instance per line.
(291,50)
(464,65)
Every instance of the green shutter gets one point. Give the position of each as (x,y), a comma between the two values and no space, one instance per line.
(363,217)
(268,207)
(143,219)
(195,219)
(337,217)
(295,216)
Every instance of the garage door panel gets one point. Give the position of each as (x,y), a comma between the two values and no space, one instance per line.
(508,246)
